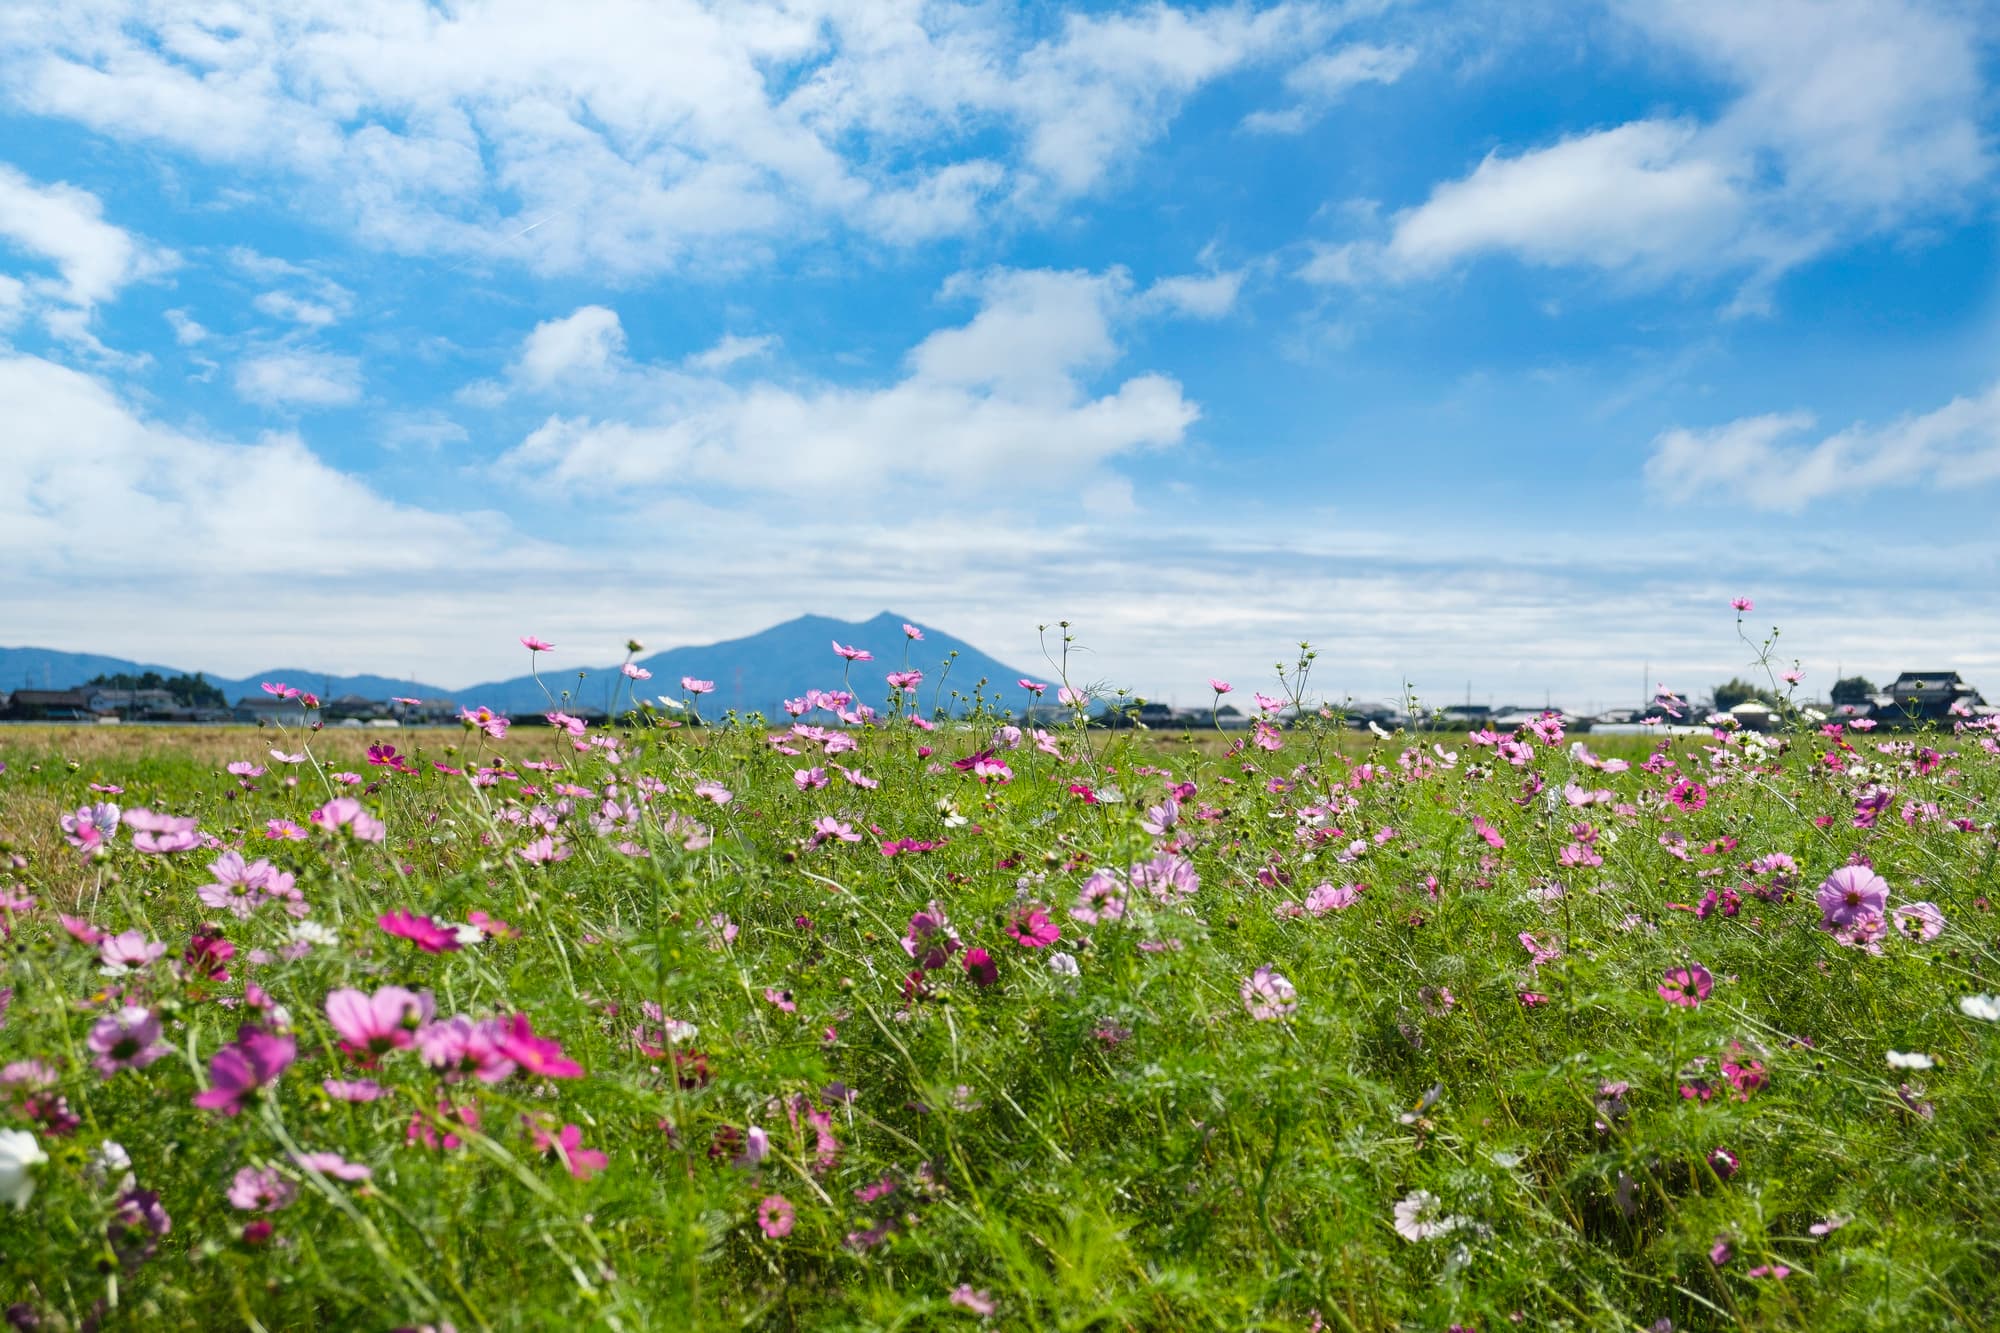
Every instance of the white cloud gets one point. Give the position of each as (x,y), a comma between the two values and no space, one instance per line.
(584,343)
(1770,462)
(1004,395)
(98,491)
(606,136)
(1631,196)
(284,305)
(64,226)
(187,332)
(1204,296)
(299,377)
(1324,79)
(730,349)
(1849,118)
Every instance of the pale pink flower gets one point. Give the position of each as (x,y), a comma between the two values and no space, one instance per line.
(1267,995)
(535,645)
(693,686)
(633,671)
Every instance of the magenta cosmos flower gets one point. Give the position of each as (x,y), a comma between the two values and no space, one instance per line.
(255,1059)
(1267,995)
(852,654)
(344,812)
(1032,928)
(535,645)
(1741,603)
(128,1039)
(1686,986)
(1850,893)
(421,931)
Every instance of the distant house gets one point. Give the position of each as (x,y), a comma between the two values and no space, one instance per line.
(425,712)
(268,709)
(135,703)
(1925,696)
(51,706)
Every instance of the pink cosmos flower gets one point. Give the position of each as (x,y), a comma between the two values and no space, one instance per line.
(261,1191)
(421,931)
(852,654)
(714,791)
(1267,995)
(354,1089)
(1919,921)
(158,834)
(236,1071)
(457,1047)
(1741,603)
(979,965)
(544,850)
(905,680)
(91,827)
(534,645)
(805,779)
(344,812)
(127,1039)
(583,1163)
(128,951)
(83,932)
(373,1025)
(826,828)
(693,686)
(332,1165)
(1220,686)
(775,1216)
(541,1057)
(1686,986)
(978,1302)
(486,720)
(633,671)
(280,689)
(1073,698)
(1031,686)
(1032,929)
(1332,898)
(283,830)
(1849,894)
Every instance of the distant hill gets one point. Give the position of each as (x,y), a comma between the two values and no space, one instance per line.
(756,673)
(760,672)
(48,669)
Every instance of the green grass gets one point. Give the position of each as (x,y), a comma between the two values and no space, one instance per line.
(1125,1148)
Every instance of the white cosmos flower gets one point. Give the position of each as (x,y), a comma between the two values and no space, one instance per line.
(1417,1218)
(1984,1007)
(18,1153)
(1909,1060)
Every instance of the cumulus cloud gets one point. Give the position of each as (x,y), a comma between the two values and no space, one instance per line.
(299,377)
(1009,393)
(96,489)
(1849,117)
(585,342)
(64,227)
(603,136)
(1773,461)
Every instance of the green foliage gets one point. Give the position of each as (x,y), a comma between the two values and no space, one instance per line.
(1735,691)
(188,691)
(1852,690)
(1481,1111)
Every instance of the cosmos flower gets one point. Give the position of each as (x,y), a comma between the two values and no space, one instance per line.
(1267,995)
(1686,986)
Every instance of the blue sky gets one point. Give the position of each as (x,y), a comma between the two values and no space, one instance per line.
(1499,343)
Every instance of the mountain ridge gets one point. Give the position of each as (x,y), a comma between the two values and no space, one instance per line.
(755,672)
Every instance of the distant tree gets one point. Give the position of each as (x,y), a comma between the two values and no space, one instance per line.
(1852,690)
(1734,691)
(188,691)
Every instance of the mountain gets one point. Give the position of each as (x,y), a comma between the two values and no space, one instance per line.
(759,672)
(751,674)
(48,669)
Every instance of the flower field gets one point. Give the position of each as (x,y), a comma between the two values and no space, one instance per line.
(858,1020)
